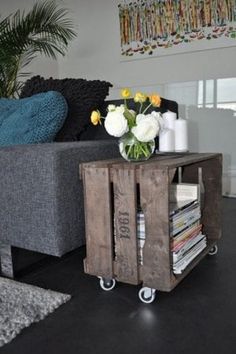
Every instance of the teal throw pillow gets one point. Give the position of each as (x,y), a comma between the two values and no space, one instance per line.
(35,119)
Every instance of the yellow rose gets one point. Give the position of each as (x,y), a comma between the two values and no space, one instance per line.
(140,97)
(155,100)
(125,93)
(95,117)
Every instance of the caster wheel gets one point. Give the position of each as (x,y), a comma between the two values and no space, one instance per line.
(213,250)
(107,284)
(147,295)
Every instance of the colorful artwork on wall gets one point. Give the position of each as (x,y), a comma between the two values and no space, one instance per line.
(162,27)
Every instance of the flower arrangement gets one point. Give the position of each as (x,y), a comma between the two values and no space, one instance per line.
(136,130)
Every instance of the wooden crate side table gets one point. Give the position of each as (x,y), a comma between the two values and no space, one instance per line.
(112,189)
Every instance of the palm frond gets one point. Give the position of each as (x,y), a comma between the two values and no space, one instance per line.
(46,29)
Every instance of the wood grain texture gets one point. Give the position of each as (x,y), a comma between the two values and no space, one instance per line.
(154,197)
(125,222)
(106,206)
(212,181)
(177,160)
(98,221)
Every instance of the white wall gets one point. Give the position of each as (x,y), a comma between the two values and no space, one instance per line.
(95,54)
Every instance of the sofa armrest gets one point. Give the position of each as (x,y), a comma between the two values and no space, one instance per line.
(42,194)
(96,148)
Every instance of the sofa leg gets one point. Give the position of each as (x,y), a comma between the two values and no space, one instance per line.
(6,261)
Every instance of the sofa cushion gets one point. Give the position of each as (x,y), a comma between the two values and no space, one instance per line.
(36,119)
(82,97)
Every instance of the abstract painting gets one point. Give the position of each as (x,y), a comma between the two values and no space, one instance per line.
(162,27)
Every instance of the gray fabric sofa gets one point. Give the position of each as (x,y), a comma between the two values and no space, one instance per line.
(42,197)
(41,194)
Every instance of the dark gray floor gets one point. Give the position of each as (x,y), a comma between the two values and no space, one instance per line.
(197,317)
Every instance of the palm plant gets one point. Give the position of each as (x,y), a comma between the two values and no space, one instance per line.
(45,29)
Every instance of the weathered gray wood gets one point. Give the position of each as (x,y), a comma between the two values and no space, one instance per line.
(154,178)
(212,181)
(98,221)
(179,160)
(6,261)
(154,196)
(172,173)
(99,163)
(125,222)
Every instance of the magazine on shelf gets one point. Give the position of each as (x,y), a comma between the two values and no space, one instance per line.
(192,231)
(181,208)
(177,213)
(182,195)
(140,225)
(184,191)
(187,240)
(185,221)
(140,234)
(180,253)
(184,213)
(180,265)
(177,220)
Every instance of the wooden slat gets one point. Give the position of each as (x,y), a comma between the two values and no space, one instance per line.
(98,221)
(154,177)
(102,163)
(212,215)
(154,194)
(125,211)
(97,164)
(212,181)
(178,160)
(172,174)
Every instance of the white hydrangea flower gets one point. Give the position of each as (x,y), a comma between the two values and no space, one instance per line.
(120,109)
(140,117)
(158,117)
(116,124)
(146,129)
(111,107)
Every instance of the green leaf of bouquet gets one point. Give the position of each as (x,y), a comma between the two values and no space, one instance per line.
(130,117)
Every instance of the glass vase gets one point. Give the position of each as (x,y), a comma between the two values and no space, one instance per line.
(132,149)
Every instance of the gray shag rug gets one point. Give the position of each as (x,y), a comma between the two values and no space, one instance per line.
(22,304)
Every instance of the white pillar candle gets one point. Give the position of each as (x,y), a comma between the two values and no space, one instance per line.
(167,134)
(169,119)
(166,140)
(181,135)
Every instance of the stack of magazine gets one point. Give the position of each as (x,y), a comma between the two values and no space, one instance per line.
(187,240)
